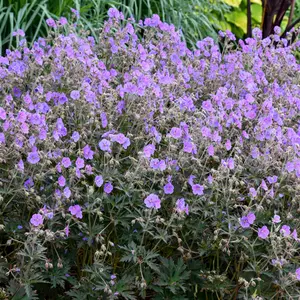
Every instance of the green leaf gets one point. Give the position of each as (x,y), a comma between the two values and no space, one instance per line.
(238,18)
(234,3)
(256,12)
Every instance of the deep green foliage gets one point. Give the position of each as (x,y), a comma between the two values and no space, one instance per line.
(195,18)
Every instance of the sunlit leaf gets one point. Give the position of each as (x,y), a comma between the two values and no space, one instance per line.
(238,18)
(256,12)
(234,3)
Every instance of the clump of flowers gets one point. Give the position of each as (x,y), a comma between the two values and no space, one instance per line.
(136,167)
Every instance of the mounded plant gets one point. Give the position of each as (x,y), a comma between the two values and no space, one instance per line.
(136,168)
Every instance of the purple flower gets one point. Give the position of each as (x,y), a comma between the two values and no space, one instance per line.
(263,232)
(228,145)
(149,150)
(189,147)
(152,201)
(197,189)
(230,163)
(98,180)
(2,138)
(75,136)
(169,188)
(154,163)
(248,220)
(19,32)
(51,23)
(264,185)
(285,230)
(33,157)
(2,114)
(67,230)
(290,167)
(89,169)
(211,150)
(75,12)
(176,133)
(244,222)
(113,13)
(88,153)
(210,179)
(63,21)
(20,165)
(294,234)
(277,29)
(75,210)
(108,187)
(251,218)
(67,192)
(121,139)
(28,183)
(276,219)
(253,192)
(36,220)
(103,119)
(66,162)
(162,165)
(79,163)
(272,179)
(298,274)
(181,206)
(61,181)
(49,215)
(75,95)
(104,145)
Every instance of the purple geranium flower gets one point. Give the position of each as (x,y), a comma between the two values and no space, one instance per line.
(33,157)
(75,136)
(149,150)
(36,220)
(66,162)
(152,201)
(67,230)
(298,274)
(75,210)
(169,188)
(285,230)
(61,181)
(67,192)
(51,23)
(108,187)
(75,95)
(251,218)
(103,117)
(176,133)
(197,189)
(248,220)
(104,145)
(88,153)
(181,206)
(276,219)
(244,222)
(113,13)
(79,163)
(263,232)
(98,180)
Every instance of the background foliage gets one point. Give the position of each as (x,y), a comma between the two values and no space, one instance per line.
(195,18)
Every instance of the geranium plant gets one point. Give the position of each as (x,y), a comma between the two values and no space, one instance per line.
(136,168)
